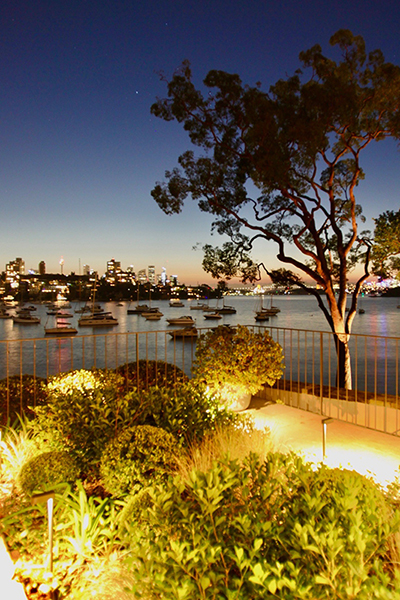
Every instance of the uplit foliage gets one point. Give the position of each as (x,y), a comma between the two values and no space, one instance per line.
(240,358)
(386,249)
(87,409)
(41,473)
(274,529)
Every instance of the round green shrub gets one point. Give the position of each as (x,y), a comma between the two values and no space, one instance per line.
(46,470)
(239,358)
(139,454)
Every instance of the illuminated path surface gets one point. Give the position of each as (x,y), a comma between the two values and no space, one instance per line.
(350,446)
(10,590)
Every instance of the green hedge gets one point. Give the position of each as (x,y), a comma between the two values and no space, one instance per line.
(273,529)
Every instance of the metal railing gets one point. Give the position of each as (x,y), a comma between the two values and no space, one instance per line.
(309,381)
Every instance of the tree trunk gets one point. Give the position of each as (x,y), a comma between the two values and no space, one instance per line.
(344,379)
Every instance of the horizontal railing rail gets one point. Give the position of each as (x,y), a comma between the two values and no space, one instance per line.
(309,380)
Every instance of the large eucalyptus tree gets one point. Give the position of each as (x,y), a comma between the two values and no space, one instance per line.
(300,145)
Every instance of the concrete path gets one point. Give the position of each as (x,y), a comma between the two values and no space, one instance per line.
(10,589)
(350,446)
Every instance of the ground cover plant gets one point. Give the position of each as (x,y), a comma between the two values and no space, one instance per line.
(208,509)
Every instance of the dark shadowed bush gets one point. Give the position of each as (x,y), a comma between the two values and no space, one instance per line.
(143,374)
(24,393)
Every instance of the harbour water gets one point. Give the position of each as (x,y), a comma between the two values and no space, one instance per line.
(134,337)
(381,317)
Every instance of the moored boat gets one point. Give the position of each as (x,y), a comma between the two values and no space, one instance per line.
(176,302)
(212,315)
(156,316)
(152,312)
(188,320)
(62,328)
(25,318)
(103,319)
(138,310)
(187,332)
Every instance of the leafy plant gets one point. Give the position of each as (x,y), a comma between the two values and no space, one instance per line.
(137,455)
(86,408)
(228,361)
(273,528)
(188,411)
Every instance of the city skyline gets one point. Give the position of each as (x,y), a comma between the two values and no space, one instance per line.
(80,150)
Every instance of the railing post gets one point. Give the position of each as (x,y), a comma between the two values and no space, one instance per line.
(321,371)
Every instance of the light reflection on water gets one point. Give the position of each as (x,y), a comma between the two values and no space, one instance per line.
(377,360)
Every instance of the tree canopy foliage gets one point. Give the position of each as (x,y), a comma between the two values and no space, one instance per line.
(299,144)
(386,249)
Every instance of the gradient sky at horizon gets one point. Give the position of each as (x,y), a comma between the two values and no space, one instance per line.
(80,151)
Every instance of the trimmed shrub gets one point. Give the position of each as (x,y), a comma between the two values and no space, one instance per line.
(240,359)
(46,470)
(143,374)
(137,455)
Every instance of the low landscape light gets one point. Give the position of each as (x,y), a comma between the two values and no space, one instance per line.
(47,497)
(325,422)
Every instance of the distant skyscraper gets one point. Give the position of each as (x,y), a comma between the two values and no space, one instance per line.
(113,271)
(142,277)
(86,269)
(151,274)
(42,268)
(14,270)
(163,275)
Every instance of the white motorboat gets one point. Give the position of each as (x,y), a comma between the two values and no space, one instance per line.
(103,319)
(151,311)
(176,302)
(212,315)
(156,316)
(199,306)
(188,320)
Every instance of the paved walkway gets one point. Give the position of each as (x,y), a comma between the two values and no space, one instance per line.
(10,589)
(350,446)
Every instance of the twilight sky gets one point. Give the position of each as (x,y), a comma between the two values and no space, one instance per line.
(79,149)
